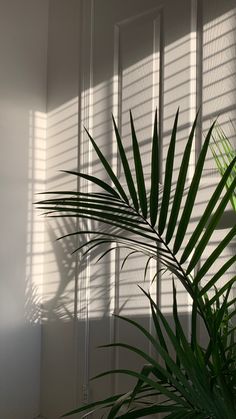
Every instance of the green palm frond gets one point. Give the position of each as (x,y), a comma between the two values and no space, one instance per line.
(168,177)
(198,382)
(156,227)
(223,153)
(200,385)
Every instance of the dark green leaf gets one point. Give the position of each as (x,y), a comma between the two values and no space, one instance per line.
(96,181)
(147,411)
(127,171)
(180,185)
(139,170)
(189,204)
(92,405)
(168,177)
(154,384)
(108,169)
(222,290)
(154,194)
(210,228)
(214,255)
(218,275)
(126,258)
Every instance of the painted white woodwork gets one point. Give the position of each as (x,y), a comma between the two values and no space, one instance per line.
(109,56)
(139,60)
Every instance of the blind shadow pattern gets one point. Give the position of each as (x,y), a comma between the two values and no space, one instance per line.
(101,290)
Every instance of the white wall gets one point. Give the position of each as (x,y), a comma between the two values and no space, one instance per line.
(39,85)
(23,49)
(59,357)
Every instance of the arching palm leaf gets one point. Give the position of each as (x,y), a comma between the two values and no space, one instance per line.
(223,153)
(118,206)
(200,385)
(156,227)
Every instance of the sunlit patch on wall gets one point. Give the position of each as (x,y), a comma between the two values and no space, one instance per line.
(59,264)
(35,224)
(179,92)
(219,75)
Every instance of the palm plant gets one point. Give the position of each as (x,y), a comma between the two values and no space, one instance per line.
(223,153)
(199,382)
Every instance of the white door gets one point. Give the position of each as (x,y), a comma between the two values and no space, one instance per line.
(137,55)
